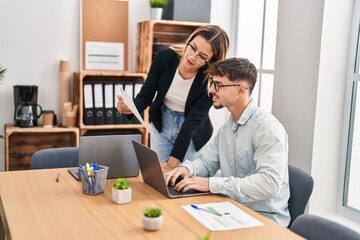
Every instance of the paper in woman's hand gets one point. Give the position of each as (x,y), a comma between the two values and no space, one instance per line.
(130,104)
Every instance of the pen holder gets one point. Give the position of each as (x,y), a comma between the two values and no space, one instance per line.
(93,181)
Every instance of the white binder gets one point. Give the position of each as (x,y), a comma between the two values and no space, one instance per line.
(98,103)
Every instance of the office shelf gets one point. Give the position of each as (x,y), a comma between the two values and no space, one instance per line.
(21,143)
(107,76)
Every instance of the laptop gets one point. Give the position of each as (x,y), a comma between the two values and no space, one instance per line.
(114,151)
(152,174)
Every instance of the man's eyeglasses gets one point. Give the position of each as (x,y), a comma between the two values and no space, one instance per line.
(218,85)
(198,58)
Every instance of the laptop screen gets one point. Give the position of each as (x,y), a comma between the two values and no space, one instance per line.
(151,172)
(114,151)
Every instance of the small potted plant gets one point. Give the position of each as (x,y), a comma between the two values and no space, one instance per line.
(152,218)
(121,192)
(157,8)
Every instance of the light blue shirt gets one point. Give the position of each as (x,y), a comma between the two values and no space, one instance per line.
(252,155)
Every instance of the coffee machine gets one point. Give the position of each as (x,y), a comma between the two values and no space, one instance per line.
(27,110)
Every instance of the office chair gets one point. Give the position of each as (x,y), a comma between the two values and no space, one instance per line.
(301,186)
(314,227)
(55,158)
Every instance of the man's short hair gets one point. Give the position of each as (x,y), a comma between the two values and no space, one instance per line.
(235,69)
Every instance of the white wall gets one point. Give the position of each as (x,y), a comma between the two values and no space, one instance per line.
(139,10)
(296,74)
(330,101)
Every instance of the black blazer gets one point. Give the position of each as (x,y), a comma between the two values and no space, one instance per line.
(197,125)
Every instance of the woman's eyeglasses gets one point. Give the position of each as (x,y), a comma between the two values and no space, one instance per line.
(218,85)
(198,58)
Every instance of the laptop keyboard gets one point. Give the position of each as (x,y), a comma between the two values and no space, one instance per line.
(172,191)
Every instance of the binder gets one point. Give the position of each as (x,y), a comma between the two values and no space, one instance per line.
(137,88)
(118,117)
(108,103)
(88,104)
(129,89)
(98,103)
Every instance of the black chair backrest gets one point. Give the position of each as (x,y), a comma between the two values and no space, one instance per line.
(301,186)
(314,227)
(55,158)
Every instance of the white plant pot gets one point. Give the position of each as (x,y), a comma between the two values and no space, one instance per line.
(121,196)
(152,224)
(156,13)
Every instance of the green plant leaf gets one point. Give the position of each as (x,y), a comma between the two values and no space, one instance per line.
(152,212)
(121,184)
(158,3)
(2,72)
(206,237)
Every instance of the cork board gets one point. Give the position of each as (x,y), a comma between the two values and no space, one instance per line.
(104,21)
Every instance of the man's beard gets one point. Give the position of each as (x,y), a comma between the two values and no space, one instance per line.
(218,106)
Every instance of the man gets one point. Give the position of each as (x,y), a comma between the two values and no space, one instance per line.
(250,149)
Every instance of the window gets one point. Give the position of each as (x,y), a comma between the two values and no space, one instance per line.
(256,40)
(350,196)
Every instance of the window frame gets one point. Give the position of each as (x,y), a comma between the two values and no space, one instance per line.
(262,96)
(352,83)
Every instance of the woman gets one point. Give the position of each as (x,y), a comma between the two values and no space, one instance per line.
(180,110)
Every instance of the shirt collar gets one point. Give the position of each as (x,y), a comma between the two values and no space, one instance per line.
(248,112)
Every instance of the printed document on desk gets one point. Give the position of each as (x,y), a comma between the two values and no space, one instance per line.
(231,217)
(130,104)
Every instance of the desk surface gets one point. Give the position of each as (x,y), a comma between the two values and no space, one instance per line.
(34,206)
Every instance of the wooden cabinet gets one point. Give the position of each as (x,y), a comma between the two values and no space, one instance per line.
(21,143)
(117,78)
(154,35)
